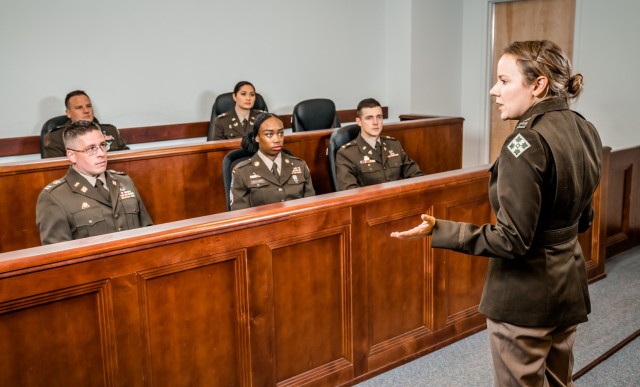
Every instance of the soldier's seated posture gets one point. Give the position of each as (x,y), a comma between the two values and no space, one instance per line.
(372,158)
(89,200)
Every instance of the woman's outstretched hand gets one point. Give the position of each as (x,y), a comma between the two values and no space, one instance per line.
(420,231)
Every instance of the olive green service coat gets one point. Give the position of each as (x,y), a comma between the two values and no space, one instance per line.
(359,165)
(541,188)
(54,145)
(228,125)
(70,208)
(253,184)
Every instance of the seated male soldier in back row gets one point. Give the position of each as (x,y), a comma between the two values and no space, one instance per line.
(79,108)
(372,158)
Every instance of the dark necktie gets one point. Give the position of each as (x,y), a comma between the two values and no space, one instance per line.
(378,151)
(102,190)
(244,124)
(274,170)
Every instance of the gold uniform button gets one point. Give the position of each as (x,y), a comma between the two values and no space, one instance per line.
(280,189)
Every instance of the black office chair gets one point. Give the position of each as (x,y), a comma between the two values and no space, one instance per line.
(224,103)
(313,114)
(338,138)
(229,161)
(48,126)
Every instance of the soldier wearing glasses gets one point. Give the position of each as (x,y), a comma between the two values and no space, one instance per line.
(89,200)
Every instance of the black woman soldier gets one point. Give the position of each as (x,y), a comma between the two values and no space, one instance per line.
(270,175)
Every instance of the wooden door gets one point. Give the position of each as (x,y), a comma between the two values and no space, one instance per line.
(526,20)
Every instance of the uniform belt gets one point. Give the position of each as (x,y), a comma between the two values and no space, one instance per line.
(555,237)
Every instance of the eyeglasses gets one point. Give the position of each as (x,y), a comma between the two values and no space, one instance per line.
(92,150)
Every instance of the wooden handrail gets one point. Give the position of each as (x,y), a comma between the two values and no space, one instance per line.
(16,146)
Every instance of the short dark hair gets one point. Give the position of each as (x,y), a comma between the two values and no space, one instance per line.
(77,129)
(73,94)
(239,85)
(249,143)
(367,103)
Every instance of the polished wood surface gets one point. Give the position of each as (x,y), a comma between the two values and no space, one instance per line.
(15,146)
(306,292)
(183,182)
(623,202)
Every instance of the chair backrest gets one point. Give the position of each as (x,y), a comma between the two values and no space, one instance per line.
(339,137)
(48,126)
(313,114)
(229,161)
(224,103)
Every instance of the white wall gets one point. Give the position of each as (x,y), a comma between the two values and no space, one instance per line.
(606,53)
(159,62)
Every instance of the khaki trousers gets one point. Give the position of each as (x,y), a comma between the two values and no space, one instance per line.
(531,356)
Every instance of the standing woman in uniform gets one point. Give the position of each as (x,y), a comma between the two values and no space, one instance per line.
(235,123)
(541,186)
(270,176)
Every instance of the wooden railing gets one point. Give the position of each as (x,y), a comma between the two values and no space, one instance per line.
(15,146)
(307,292)
(186,181)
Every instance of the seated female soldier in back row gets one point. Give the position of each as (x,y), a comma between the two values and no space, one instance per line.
(270,175)
(237,122)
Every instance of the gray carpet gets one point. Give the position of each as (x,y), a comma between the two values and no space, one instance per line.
(615,315)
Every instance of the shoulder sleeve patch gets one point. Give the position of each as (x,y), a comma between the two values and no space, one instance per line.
(518,145)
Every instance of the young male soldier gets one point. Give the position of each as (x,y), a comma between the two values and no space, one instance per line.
(372,158)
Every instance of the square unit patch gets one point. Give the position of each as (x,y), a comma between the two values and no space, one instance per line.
(518,145)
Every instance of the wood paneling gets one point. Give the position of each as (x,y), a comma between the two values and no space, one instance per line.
(186,181)
(16,146)
(623,216)
(306,292)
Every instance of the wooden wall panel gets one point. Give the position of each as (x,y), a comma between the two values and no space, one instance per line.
(307,292)
(209,290)
(313,318)
(623,216)
(464,273)
(60,338)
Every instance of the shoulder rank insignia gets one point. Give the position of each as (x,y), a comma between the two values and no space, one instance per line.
(54,184)
(523,124)
(518,145)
